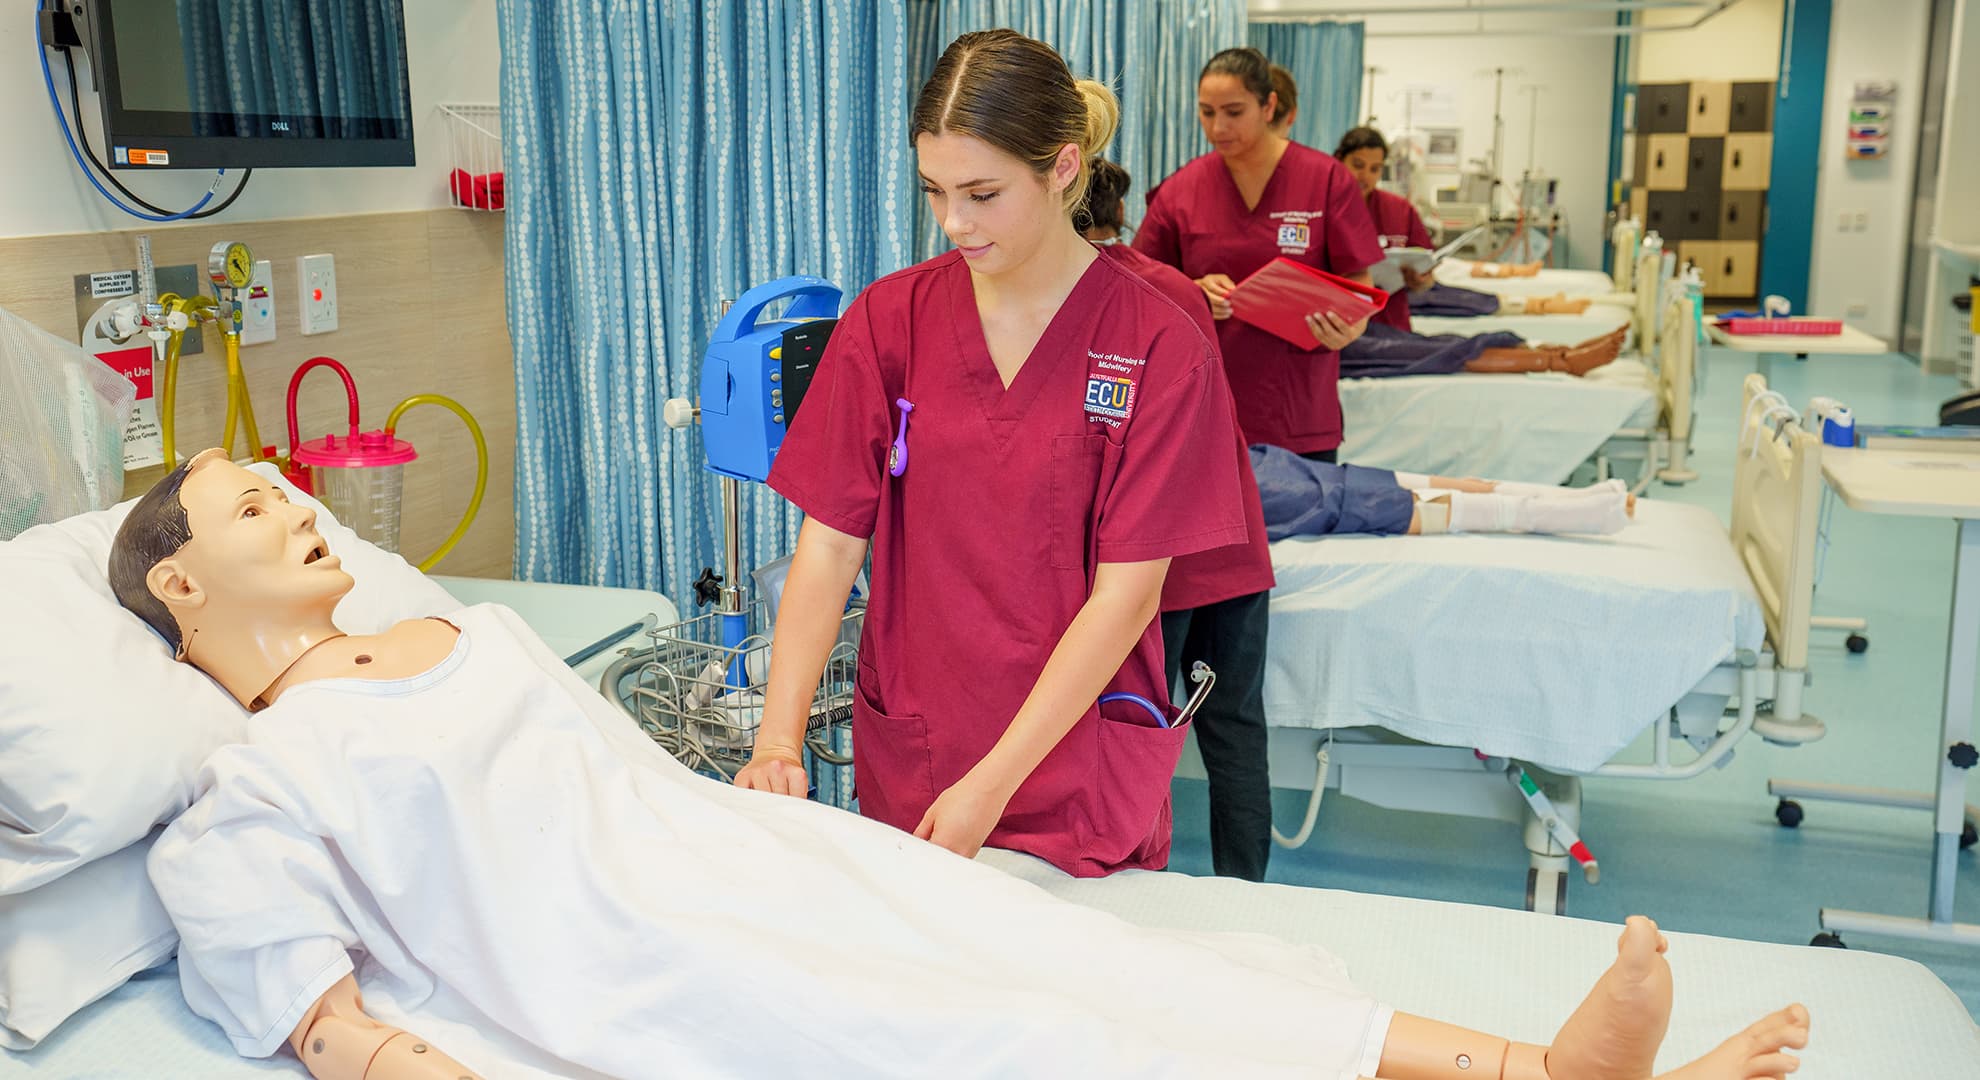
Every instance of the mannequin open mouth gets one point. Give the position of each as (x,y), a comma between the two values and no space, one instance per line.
(315,553)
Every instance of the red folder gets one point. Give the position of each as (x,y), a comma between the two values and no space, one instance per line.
(1279,296)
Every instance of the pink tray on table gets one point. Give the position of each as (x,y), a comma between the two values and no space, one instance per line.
(1803,327)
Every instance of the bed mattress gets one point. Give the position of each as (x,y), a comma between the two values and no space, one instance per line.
(1546,283)
(1874,1016)
(1597,320)
(1530,428)
(1553,650)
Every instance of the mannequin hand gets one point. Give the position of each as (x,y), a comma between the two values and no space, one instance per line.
(775,769)
(1217,289)
(962,817)
(1417,282)
(1333,331)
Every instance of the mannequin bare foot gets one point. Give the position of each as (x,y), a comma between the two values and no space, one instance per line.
(1594,353)
(1615,1033)
(1557,304)
(1759,1051)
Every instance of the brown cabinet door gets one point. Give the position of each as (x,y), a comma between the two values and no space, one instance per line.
(1742,215)
(1710,108)
(1749,161)
(1668,162)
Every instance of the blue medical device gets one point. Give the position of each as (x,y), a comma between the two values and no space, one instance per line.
(755,374)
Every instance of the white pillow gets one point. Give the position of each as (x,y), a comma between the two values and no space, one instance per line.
(102,733)
(76,939)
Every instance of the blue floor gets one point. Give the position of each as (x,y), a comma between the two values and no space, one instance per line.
(1705,855)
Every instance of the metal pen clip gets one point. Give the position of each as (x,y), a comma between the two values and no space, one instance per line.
(1205,680)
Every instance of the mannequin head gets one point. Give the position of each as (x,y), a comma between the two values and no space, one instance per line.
(230,572)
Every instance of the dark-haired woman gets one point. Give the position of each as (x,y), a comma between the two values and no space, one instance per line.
(1255,198)
(1009,426)
(1214,602)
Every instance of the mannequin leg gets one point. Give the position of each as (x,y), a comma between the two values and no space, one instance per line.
(1518,361)
(1613,1035)
(1557,304)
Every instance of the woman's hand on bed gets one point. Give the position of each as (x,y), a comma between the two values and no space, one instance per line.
(1334,332)
(962,817)
(778,770)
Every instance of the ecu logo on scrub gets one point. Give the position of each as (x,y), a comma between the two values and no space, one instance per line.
(1109,396)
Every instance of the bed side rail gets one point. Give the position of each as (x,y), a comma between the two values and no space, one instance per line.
(1777,492)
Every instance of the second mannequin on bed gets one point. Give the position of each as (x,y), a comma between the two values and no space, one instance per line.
(505,850)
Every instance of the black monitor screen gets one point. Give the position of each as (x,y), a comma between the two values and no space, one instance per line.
(209,83)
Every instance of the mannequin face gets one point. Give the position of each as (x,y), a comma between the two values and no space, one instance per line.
(253,554)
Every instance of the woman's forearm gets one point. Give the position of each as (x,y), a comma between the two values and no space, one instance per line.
(808,619)
(1125,599)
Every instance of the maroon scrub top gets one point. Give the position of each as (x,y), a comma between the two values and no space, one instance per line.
(1112,444)
(1224,573)
(1397,225)
(1311,211)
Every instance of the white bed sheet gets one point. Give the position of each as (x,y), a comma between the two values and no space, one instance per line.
(1597,320)
(1529,428)
(1553,650)
(1549,281)
(1874,1016)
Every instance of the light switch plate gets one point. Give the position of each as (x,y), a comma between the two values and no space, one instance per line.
(258,306)
(317,280)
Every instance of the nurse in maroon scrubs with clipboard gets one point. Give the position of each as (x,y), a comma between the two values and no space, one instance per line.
(1224,215)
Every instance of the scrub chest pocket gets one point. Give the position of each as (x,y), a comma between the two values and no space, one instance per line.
(1076,464)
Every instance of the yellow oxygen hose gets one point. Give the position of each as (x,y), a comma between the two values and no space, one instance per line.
(481,465)
(239,405)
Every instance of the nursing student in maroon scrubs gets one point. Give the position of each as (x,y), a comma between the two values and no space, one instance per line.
(1009,428)
(1213,602)
(1397,224)
(1258,196)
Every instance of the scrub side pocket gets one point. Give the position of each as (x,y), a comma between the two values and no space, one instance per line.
(1137,761)
(893,773)
(1075,479)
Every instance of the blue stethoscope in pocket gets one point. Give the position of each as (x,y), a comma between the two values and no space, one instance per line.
(1199,673)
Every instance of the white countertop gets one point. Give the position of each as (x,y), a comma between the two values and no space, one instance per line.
(1851,342)
(1918,483)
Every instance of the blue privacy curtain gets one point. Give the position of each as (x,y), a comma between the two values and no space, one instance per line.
(1147,51)
(344,62)
(664,155)
(1325,61)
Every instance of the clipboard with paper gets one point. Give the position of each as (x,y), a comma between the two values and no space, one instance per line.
(1389,272)
(1278,297)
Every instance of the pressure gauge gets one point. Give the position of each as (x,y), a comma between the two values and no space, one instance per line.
(230,265)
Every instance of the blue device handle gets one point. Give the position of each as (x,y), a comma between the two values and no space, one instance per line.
(816,298)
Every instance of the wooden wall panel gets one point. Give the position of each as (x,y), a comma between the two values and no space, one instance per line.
(421,308)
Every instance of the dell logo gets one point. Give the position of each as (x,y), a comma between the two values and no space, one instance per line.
(281,125)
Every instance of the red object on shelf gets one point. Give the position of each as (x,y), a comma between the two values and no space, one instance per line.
(481,192)
(1279,295)
(1801,327)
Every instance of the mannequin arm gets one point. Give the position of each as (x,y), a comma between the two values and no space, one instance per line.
(1419,1049)
(337,1041)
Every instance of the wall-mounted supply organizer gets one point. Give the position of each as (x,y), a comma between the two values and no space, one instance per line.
(1868,136)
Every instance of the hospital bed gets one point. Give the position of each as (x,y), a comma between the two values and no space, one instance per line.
(1873,1015)
(1416,672)
(1631,418)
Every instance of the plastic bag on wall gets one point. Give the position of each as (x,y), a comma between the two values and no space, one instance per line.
(62,417)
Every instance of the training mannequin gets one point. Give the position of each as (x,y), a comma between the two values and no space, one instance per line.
(216,559)
(1506,270)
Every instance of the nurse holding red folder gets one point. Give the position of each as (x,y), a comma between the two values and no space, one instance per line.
(1257,198)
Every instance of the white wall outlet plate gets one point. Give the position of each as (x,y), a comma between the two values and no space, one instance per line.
(258,306)
(316,276)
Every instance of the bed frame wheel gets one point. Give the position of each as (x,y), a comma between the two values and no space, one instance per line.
(1827,940)
(1788,813)
(1857,643)
(1546,893)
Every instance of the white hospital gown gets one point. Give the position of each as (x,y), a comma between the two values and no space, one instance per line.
(522,877)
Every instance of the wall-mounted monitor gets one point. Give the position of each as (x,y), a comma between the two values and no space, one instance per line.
(203,84)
